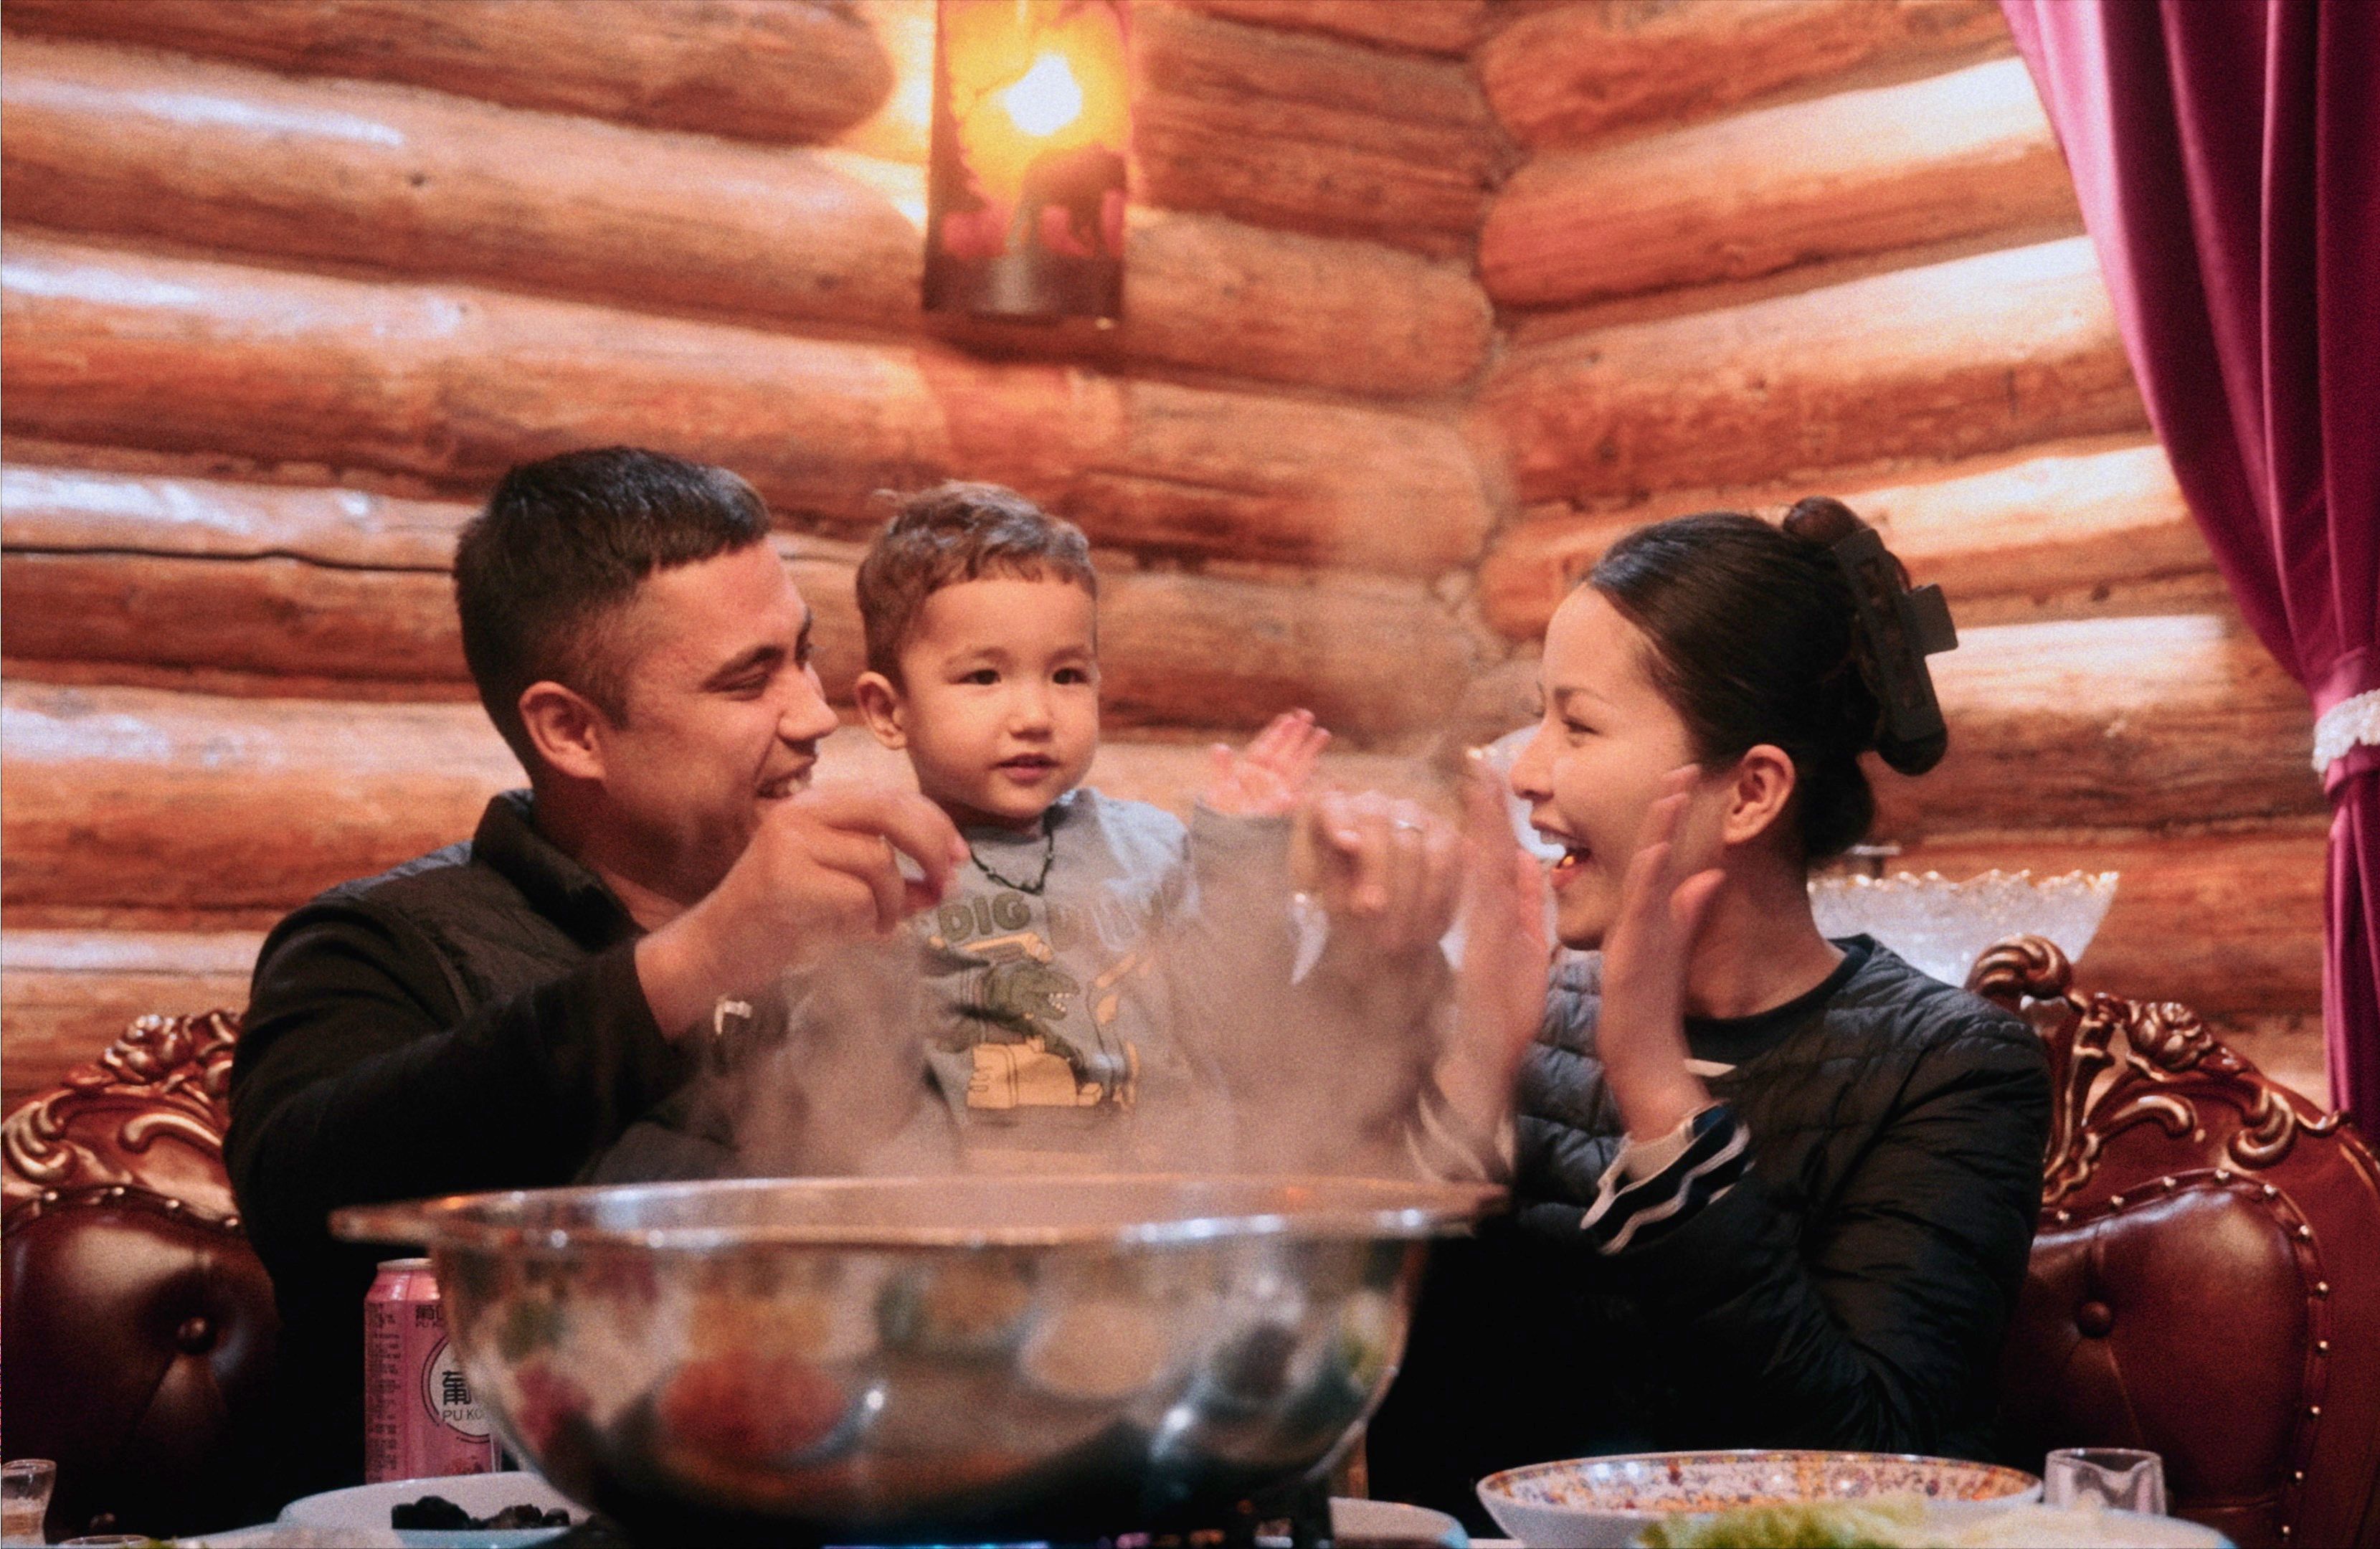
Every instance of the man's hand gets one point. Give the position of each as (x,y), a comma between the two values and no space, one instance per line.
(820,870)
(1385,869)
(1268,777)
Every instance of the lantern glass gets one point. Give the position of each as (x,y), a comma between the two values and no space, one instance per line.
(1025,189)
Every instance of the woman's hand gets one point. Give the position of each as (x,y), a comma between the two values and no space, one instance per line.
(1640,1030)
(1501,990)
(1268,777)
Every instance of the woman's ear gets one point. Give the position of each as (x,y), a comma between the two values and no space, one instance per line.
(881,707)
(566,728)
(1758,794)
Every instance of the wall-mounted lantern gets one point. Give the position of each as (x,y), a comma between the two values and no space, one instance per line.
(1025,190)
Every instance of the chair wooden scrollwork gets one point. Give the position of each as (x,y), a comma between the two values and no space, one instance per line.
(2205,1280)
(140,1323)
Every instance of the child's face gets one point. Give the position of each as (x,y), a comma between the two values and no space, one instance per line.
(1596,765)
(999,703)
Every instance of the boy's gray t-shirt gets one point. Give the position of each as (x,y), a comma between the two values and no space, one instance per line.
(1070,1022)
(1100,1023)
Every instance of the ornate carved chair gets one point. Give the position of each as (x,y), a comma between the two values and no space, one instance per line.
(2206,1282)
(140,1328)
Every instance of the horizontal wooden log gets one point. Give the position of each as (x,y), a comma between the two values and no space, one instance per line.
(1861,172)
(2128,722)
(2105,722)
(65,996)
(754,69)
(451,385)
(1569,73)
(1447,27)
(2225,923)
(1977,354)
(225,158)
(1292,129)
(245,578)
(2058,523)
(1281,127)
(141,799)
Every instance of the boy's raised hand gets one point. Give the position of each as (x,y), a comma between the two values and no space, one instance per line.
(1266,778)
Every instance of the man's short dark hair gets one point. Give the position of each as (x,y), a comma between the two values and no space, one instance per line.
(957,532)
(541,576)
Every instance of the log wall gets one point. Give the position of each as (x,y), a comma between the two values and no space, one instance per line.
(286,288)
(1761,249)
(1427,302)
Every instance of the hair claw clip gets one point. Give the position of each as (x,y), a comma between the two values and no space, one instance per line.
(1904,625)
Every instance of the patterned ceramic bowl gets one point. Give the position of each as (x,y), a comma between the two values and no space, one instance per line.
(1603,1503)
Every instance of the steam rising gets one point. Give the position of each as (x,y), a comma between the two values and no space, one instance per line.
(1250,1047)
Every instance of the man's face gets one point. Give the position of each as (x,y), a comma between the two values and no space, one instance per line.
(999,703)
(721,714)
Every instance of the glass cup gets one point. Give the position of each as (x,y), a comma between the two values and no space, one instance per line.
(25,1486)
(2122,1478)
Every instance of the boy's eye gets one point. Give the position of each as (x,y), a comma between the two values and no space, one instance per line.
(1577,729)
(1074,675)
(985,675)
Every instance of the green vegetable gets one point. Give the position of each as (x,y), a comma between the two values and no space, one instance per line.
(1884,1523)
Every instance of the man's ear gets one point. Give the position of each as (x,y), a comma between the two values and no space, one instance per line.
(882,706)
(1758,794)
(566,728)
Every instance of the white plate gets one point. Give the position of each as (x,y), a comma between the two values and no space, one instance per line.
(1603,1503)
(365,1508)
(1351,1519)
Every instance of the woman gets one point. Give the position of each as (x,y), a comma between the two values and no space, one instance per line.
(1771,1190)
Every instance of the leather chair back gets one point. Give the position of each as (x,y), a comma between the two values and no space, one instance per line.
(2205,1280)
(140,1329)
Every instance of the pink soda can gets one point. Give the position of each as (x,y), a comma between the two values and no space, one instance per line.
(420,1417)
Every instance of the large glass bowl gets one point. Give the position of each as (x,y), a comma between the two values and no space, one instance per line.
(929,1359)
(1941,926)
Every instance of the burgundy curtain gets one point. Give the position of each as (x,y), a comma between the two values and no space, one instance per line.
(2228,157)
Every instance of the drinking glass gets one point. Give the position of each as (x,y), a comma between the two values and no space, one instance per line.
(2123,1478)
(25,1486)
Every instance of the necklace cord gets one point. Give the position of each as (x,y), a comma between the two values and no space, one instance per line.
(1049,854)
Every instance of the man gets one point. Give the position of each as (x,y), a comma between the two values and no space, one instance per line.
(494,1015)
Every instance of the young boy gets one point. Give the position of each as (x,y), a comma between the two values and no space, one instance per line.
(1073,970)
(1101,988)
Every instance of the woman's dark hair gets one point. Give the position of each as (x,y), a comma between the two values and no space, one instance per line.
(1755,639)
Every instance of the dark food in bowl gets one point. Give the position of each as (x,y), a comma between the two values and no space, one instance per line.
(436,1514)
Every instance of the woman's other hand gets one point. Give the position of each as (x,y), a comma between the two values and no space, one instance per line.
(1500,988)
(1640,1030)
(1266,778)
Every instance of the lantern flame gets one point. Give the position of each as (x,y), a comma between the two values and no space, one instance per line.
(1046,98)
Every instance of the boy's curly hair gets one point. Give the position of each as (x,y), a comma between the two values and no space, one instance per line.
(959,532)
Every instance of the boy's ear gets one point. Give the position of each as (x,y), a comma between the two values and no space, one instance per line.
(566,728)
(882,706)
(1761,789)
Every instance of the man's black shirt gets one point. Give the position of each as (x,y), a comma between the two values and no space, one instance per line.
(469,1020)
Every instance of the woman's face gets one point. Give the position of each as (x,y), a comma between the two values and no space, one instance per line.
(1596,763)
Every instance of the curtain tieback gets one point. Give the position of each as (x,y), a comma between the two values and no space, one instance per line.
(2352,723)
